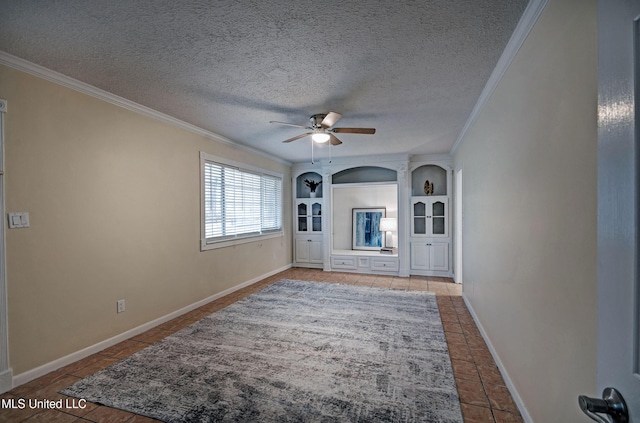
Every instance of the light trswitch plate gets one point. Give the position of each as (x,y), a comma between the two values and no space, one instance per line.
(18,220)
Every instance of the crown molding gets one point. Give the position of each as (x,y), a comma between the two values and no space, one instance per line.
(82,87)
(528,20)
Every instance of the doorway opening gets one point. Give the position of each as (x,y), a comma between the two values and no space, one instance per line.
(457,273)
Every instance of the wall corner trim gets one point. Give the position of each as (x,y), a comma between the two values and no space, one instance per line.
(6,381)
(6,374)
(503,371)
(529,18)
(82,87)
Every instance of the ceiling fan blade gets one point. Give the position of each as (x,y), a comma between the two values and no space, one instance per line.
(330,119)
(334,140)
(369,131)
(289,124)
(297,137)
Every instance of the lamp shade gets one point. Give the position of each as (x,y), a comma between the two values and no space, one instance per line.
(388,224)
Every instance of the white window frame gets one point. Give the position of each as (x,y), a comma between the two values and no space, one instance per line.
(209,244)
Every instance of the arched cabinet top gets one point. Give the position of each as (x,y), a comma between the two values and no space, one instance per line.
(303,188)
(364,174)
(429,179)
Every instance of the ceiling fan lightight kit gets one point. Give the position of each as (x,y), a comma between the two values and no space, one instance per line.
(322,130)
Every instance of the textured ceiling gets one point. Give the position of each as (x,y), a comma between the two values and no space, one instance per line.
(411,69)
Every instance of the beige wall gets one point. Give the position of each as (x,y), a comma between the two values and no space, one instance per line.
(529,189)
(114,203)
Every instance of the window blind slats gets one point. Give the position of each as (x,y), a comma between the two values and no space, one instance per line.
(240,203)
(271,199)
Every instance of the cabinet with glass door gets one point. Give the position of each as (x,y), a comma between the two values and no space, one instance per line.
(429,216)
(308,216)
(308,220)
(430,237)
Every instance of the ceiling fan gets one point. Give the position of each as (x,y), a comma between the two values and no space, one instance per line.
(322,129)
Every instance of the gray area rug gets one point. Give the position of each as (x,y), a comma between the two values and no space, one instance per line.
(293,352)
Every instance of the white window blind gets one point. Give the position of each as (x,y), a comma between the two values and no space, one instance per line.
(271,201)
(240,203)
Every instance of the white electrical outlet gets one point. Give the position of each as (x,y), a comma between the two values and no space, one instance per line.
(120,304)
